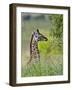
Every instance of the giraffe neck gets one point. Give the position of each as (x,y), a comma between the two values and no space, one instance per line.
(35,48)
(34,51)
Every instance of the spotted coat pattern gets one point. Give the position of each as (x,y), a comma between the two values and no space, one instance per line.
(34,51)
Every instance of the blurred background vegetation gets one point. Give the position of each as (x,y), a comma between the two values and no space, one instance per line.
(51,51)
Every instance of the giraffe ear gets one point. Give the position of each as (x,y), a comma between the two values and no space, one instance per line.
(38,30)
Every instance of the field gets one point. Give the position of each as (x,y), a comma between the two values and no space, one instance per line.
(51,51)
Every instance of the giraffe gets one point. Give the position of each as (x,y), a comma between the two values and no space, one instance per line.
(34,51)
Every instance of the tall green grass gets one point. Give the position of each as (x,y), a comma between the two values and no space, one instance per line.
(52,66)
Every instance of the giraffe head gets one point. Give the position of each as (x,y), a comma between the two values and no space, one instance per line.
(39,37)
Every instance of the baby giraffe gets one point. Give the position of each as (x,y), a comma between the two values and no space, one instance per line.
(34,51)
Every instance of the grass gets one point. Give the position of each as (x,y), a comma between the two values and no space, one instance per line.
(52,66)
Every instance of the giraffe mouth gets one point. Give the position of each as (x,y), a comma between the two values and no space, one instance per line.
(46,39)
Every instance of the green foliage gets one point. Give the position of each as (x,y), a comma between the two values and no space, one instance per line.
(56,31)
(57,25)
(51,47)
